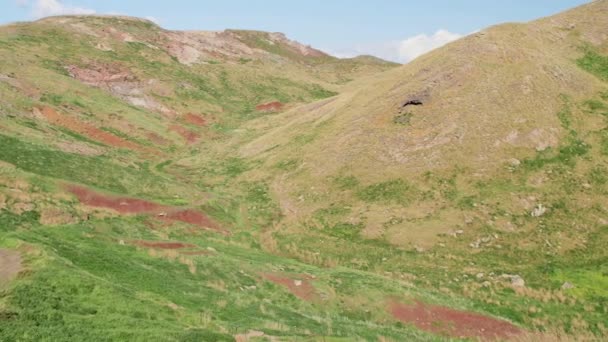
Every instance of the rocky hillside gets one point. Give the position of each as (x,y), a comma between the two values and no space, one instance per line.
(239,185)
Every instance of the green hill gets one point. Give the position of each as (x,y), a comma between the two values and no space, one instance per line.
(238,185)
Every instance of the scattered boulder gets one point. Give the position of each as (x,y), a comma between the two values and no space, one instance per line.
(516,280)
(538,211)
(567,285)
(514,162)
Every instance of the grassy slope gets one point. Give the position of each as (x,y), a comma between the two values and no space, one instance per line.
(449,196)
(364,236)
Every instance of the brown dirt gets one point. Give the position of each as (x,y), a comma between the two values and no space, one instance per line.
(195,119)
(87,130)
(445,321)
(79,148)
(157,139)
(56,216)
(188,135)
(127,205)
(274,106)
(162,245)
(305,290)
(10,264)
(101,74)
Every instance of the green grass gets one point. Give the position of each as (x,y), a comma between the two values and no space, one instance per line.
(594,63)
(97,171)
(92,287)
(396,191)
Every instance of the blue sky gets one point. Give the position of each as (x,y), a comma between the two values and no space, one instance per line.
(393,29)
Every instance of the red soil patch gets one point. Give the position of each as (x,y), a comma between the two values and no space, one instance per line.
(195,120)
(163,245)
(188,135)
(157,139)
(446,321)
(85,129)
(123,205)
(126,205)
(300,287)
(270,107)
(190,216)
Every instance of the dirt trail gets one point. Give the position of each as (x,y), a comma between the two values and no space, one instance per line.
(10,265)
(127,205)
(446,321)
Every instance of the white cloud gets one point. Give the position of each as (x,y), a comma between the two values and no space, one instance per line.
(401,51)
(152,19)
(418,45)
(45,8)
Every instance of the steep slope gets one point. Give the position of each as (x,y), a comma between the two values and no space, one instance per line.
(484,157)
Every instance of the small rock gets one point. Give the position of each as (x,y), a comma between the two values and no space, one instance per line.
(121,242)
(163,214)
(486,284)
(567,285)
(517,281)
(479,275)
(460,231)
(539,211)
(586,186)
(514,162)
(211,249)
(297,282)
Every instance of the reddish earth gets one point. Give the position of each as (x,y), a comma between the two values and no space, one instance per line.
(163,245)
(123,205)
(87,130)
(454,323)
(127,205)
(189,216)
(270,107)
(157,139)
(188,135)
(299,287)
(195,120)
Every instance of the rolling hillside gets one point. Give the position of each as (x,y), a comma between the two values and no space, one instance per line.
(238,185)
